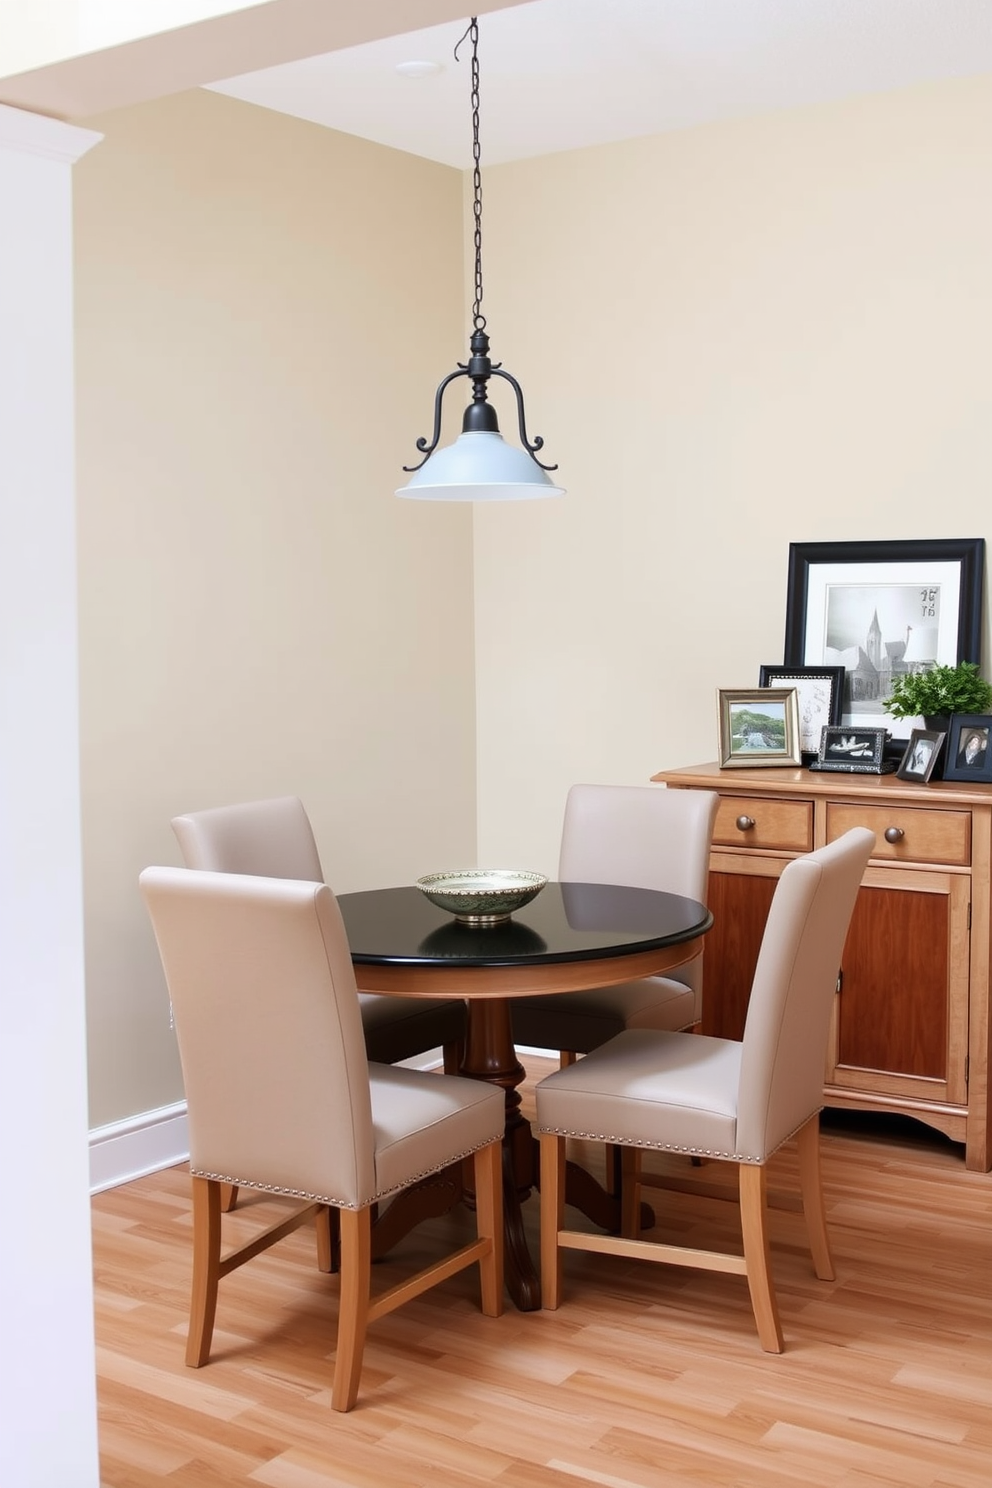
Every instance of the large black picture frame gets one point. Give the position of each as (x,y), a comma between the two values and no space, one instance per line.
(949,570)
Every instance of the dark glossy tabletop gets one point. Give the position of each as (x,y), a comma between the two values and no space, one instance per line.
(566,922)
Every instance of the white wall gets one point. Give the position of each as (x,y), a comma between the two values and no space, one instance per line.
(732,338)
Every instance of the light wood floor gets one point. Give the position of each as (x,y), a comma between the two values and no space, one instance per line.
(647,1377)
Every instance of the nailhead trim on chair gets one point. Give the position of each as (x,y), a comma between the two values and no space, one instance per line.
(615,1141)
(313,1198)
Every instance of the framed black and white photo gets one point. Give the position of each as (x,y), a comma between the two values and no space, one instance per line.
(853,750)
(758,726)
(920,759)
(880,609)
(968,755)
(820,692)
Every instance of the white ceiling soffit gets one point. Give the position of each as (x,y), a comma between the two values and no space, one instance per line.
(235,39)
(563,74)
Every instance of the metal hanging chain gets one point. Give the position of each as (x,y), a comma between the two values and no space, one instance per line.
(478,319)
(480,416)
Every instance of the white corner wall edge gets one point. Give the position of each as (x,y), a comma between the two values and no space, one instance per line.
(46,1281)
(34,134)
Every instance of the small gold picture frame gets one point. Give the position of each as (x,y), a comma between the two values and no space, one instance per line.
(758,726)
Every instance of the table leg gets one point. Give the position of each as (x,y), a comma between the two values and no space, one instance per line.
(490,1055)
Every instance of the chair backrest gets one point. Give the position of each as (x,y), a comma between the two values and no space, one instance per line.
(272,838)
(788,1016)
(269,1030)
(644,836)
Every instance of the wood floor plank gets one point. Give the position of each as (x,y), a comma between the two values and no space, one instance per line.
(646,1376)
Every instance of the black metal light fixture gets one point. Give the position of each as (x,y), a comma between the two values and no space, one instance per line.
(480,465)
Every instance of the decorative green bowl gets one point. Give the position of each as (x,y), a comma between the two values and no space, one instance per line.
(481,896)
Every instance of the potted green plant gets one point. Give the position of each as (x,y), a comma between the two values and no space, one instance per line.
(936,693)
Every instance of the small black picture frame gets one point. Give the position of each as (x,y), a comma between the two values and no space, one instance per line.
(920,758)
(969,748)
(820,694)
(852,749)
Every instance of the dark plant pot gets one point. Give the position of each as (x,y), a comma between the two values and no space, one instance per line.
(941,723)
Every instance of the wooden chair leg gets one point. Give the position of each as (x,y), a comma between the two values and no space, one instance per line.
(228,1197)
(613,1182)
(328,1238)
(353,1307)
(552,1216)
(566,1057)
(488,1173)
(811,1184)
(206,1269)
(630,1193)
(757,1256)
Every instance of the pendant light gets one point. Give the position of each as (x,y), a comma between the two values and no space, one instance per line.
(480,465)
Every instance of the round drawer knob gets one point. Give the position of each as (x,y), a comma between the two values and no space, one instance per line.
(744,823)
(894,834)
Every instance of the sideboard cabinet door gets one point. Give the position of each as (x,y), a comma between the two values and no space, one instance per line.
(901,1024)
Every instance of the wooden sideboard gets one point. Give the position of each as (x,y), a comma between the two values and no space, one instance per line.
(910,1031)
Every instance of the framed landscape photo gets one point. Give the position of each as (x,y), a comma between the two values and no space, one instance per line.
(853,749)
(968,755)
(820,692)
(881,609)
(758,726)
(921,755)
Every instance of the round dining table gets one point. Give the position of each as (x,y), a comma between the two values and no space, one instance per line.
(571,937)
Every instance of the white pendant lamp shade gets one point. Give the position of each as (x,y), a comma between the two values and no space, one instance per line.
(480,467)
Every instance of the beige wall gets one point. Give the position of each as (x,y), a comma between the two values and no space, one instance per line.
(732,338)
(263,310)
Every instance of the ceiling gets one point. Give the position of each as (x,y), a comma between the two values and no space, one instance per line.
(564,74)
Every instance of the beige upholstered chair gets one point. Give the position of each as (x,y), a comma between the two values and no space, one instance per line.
(719,1098)
(274,838)
(281,1096)
(649,838)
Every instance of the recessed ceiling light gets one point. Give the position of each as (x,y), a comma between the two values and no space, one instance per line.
(418,69)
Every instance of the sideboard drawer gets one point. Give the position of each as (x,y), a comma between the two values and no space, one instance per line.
(923,836)
(751,821)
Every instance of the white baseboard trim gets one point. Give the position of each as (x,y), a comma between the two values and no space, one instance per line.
(138,1145)
(430,1059)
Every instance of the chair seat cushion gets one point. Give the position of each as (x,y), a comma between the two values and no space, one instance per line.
(423,1122)
(402,1027)
(676,1091)
(582,1021)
